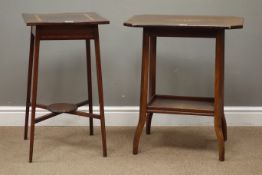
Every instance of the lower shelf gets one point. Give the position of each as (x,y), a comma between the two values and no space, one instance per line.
(62,107)
(181,105)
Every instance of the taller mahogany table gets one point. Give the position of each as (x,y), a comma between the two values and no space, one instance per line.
(181,26)
(63,26)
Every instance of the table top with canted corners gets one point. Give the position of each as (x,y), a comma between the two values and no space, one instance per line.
(64,18)
(223,22)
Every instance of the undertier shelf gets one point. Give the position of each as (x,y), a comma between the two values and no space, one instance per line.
(62,107)
(181,105)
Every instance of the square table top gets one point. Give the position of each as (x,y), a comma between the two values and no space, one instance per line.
(63,18)
(224,22)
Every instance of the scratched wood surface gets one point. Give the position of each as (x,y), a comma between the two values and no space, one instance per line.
(226,22)
(64,18)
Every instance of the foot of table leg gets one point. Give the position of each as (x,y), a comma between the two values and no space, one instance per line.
(220,140)
(138,133)
(91,127)
(148,123)
(103,133)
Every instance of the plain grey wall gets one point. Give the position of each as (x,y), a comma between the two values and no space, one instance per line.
(185,66)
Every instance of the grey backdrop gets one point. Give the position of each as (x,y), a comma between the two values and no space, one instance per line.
(185,66)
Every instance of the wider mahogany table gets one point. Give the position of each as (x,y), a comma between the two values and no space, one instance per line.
(182,26)
(63,26)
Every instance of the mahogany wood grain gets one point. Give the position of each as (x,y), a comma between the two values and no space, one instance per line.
(219,92)
(177,105)
(29,84)
(45,117)
(100,92)
(66,32)
(180,21)
(152,79)
(89,85)
(34,95)
(89,18)
(67,26)
(62,107)
(143,92)
(182,26)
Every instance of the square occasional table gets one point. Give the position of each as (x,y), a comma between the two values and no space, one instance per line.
(182,26)
(63,26)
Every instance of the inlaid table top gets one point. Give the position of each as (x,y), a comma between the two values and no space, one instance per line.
(64,18)
(224,22)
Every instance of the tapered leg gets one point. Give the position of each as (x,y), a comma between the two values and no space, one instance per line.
(219,92)
(100,93)
(34,95)
(89,84)
(152,79)
(29,81)
(143,92)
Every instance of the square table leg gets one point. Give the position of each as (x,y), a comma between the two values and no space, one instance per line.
(100,93)
(89,85)
(29,83)
(34,95)
(152,78)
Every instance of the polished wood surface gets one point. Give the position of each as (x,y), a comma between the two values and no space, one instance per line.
(34,95)
(219,121)
(143,91)
(29,84)
(152,79)
(89,85)
(181,26)
(64,18)
(62,107)
(100,93)
(55,27)
(181,105)
(224,22)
